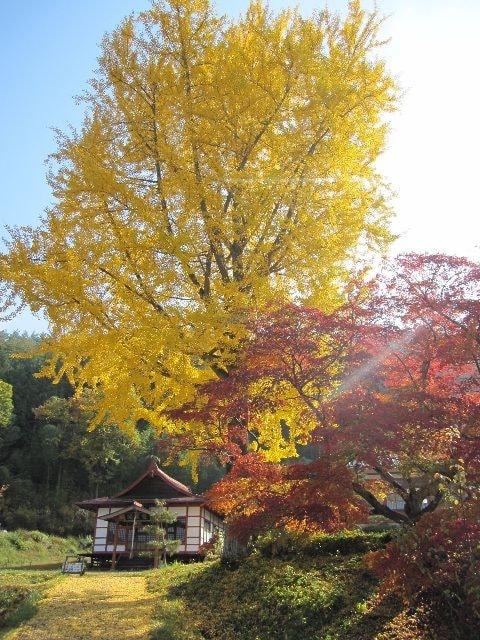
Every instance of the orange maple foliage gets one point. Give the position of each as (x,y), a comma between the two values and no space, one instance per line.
(257,495)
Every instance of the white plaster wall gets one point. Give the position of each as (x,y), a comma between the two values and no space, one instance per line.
(195,534)
(101,526)
(216,523)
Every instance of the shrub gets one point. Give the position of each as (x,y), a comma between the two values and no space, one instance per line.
(212,550)
(281,543)
(38,536)
(436,564)
(17,540)
(84,543)
(22,548)
(10,598)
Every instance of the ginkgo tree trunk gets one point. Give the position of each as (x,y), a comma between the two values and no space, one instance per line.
(221,165)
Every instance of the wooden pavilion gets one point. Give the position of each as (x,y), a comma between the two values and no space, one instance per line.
(119,538)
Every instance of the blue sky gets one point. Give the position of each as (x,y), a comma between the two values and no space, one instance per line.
(48,51)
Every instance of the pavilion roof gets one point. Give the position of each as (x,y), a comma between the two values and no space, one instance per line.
(135,506)
(123,500)
(155,471)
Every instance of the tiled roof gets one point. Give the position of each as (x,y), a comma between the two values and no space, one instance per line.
(120,500)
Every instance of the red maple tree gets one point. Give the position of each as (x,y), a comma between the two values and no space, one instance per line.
(257,495)
(412,414)
(299,355)
(390,381)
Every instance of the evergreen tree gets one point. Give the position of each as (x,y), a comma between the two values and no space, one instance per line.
(160,519)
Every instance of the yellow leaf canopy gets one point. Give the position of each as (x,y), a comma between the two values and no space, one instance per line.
(221,166)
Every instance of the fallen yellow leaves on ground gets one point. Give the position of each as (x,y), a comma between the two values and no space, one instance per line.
(94,606)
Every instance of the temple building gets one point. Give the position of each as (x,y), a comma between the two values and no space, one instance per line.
(118,537)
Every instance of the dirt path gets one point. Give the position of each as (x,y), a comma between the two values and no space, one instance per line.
(103,606)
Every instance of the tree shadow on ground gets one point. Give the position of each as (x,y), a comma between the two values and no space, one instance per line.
(333,599)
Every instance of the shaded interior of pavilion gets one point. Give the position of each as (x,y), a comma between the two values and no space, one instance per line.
(126,532)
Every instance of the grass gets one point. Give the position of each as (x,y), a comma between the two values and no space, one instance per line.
(329,598)
(27,548)
(20,590)
(29,565)
(173,613)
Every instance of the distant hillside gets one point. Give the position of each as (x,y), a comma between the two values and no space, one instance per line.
(25,548)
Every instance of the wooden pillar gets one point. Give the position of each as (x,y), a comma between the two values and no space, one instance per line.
(133,534)
(115,541)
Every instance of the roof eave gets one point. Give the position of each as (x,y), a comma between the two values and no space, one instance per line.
(154,470)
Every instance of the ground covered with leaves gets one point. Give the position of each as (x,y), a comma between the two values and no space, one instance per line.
(29,565)
(96,606)
(20,591)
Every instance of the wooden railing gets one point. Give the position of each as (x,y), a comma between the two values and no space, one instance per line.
(141,540)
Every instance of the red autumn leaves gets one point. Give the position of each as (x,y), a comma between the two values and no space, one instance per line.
(390,382)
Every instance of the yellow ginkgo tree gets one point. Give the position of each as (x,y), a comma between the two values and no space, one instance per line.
(221,165)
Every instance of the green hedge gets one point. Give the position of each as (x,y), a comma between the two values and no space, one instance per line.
(284,544)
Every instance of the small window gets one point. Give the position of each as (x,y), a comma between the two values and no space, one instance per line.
(395,502)
(143,538)
(121,535)
(176,530)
